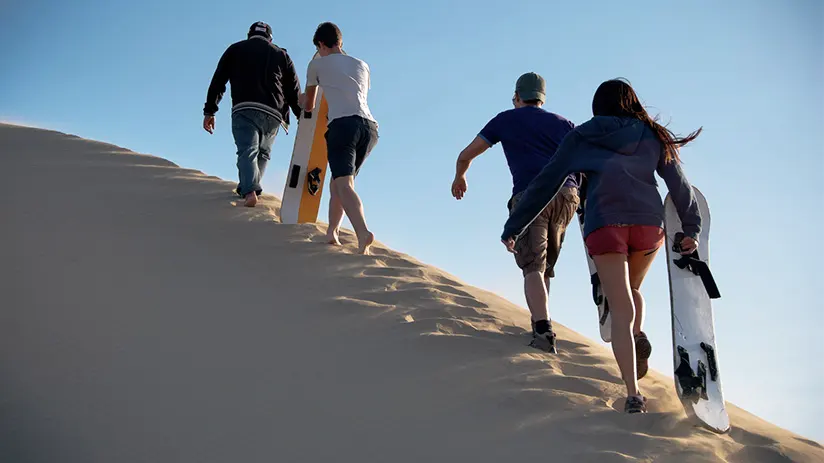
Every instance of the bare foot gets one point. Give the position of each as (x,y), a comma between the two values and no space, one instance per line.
(364,245)
(332,238)
(251,199)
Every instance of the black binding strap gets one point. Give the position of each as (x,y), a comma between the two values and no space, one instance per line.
(693,386)
(692,263)
(711,360)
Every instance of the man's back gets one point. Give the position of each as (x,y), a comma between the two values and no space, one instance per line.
(261,75)
(529,136)
(345,81)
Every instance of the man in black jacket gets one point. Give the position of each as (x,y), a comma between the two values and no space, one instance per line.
(264,87)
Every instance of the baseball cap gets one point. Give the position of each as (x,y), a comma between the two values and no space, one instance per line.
(531,86)
(260,28)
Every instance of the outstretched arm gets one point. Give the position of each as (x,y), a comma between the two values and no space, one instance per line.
(472,151)
(543,188)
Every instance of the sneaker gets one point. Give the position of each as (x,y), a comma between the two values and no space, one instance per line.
(635,404)
(643,349)
(545,341)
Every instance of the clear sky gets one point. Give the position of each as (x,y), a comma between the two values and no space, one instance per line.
(748,71)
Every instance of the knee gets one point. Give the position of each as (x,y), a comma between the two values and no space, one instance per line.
(246,154)
(622,314)
(344,183)
(622,318)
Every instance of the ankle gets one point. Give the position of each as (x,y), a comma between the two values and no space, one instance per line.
(543,326)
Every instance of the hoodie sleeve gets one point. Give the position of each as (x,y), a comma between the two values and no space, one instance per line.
(544,187)
(218,85)
(682,196)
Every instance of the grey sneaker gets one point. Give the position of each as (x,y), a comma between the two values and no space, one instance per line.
(545,341)
(635,404)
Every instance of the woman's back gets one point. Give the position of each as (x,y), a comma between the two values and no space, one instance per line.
(620,157)
(623,156)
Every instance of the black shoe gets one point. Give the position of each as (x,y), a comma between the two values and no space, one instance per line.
(643,349)
(544,341)
(635,404)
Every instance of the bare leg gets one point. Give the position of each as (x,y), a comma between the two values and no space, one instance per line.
(536,296)
(353,207)
(546,286)
(639,263)
(614,273)
(335,216)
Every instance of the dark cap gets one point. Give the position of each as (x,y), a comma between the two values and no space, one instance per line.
(531,86)
(260,28)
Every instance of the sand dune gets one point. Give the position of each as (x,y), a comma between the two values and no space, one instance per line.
(146,316)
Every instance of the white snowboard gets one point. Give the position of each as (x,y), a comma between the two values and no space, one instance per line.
(604,320)
(698,379)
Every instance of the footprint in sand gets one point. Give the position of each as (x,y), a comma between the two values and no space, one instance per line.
(400,268)
(809,442)
(750,454)
(571,369)
(748,438)
(424,297)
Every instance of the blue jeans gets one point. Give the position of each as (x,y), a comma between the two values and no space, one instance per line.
(254,132)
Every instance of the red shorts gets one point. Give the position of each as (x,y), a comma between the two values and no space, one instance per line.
(624,239)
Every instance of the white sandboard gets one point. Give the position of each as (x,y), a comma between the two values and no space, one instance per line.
(307,169)
(604,320)
(695,355)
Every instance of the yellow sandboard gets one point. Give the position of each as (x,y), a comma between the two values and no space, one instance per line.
(307,170)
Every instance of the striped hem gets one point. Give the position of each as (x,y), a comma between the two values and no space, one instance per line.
(257,106)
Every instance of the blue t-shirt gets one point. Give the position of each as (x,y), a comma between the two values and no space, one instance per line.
(529,136)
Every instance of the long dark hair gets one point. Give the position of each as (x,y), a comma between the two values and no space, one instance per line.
(615,97)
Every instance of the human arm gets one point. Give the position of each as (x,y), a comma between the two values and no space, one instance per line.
(291,86)
(217,87)
(544,187)
(473,150)
(312,82)
(486,138)
(682,196)
(309,98)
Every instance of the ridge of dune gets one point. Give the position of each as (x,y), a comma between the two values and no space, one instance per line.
(145,315)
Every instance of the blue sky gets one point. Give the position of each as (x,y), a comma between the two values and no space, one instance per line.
(750,72)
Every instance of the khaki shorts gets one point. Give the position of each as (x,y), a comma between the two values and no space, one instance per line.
(538,248)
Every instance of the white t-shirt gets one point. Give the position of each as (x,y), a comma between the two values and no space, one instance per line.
(345,82)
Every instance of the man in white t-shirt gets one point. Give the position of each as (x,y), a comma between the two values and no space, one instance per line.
(351,132)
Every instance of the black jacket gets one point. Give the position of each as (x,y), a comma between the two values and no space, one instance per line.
(262,77)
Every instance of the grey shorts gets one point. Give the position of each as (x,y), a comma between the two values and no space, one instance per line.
(538,247)
(349,140)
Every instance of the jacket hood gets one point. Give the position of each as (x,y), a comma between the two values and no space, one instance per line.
(618,134)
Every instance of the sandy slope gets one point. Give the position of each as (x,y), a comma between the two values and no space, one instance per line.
(145,316)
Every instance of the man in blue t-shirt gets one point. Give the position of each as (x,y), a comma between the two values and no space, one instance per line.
(530,135)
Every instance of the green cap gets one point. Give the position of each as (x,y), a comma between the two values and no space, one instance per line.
(531,86)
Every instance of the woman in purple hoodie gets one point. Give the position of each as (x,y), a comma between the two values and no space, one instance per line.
(619,150)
